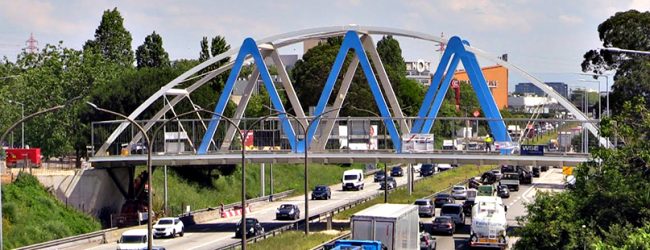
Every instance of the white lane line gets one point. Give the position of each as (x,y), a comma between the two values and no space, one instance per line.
(210,243)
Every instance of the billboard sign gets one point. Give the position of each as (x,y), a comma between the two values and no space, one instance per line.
(532,150)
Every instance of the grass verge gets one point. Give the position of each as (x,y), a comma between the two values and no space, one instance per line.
(292,240)
(422,188)
(30,214)
(201,188)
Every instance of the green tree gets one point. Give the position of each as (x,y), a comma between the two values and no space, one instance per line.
(151,53)
(204,54)
(626,30)
(112,40)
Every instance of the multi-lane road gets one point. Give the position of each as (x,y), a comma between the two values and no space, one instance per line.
(220,232)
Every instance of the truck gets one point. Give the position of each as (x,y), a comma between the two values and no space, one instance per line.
(352,180)
(489,223)
(394,225)
(510,179)
(16,156)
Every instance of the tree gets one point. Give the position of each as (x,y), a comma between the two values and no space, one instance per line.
(151,53)
(112,40)
(626,30)
(204,55)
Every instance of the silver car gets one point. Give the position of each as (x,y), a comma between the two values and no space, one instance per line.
(455,211)
(425,207)
(459,192)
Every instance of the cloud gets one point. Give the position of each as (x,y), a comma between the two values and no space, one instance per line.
(37,16)
(640,5)
(567,19)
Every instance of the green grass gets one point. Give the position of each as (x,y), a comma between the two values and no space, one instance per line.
(201,189)
(422,188)
(291,240)
(30,214)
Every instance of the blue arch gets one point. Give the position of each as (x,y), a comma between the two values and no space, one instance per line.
(249,47)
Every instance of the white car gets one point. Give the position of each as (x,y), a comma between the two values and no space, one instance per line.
(168,227)
(133,239)
(416,167)
(459,192)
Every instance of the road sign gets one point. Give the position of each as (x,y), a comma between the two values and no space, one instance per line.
(567,170)
(476,113)
(532,150)
(455,84)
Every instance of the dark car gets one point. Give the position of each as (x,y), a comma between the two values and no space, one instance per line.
(443,224)
(427,242)
(287,211)
(467,207)
(544,168)
(473,183)
(253,228)
(396,171)
(525,177)
(442,199)
(321,192)
(536,171)
(426,170)
(503,192)
(379,176)
(390,181)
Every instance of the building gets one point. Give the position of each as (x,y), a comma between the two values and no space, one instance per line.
(532,104)
(419,71)
(496,78)
(529,88)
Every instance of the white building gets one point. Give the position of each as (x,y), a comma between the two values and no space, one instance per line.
(531,104)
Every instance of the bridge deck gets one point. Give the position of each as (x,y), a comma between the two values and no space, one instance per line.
(339,157)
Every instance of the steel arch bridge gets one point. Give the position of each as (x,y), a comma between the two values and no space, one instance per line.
(358,39)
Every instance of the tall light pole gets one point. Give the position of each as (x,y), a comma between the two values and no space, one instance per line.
(600,113)
(606,88)
(22,125)
(149,169)
(304,130)
(11,128)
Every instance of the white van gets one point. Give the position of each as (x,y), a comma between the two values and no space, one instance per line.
(133,239)
(352,179)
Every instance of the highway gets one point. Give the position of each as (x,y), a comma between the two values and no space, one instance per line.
(220,232)
(551,180)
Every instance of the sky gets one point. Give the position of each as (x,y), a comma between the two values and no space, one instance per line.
(546,37)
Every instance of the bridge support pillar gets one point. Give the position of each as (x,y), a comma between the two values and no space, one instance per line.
(410,178)
(329,221)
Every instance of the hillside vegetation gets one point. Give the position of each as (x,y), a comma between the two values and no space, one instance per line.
(203,187)
(30,214)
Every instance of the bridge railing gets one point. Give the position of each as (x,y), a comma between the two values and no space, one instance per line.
(347,134)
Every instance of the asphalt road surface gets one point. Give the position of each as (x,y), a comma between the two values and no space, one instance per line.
(551,180)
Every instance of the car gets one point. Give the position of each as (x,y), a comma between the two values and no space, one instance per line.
(426,208)
(473,183)
(390,181)
(536,171)
(455,211)
(442,199)
(444,167)
(467,206)
(417,167)
(138,148)
(427,170)
(488,177)
(497,174)
(321,192)
(544,168)
(427,242)
(253,228)
(503,192)
(352,180)
(168,227)
(459,192)
(396,171)
(443,224)
(287,211)
(379,176)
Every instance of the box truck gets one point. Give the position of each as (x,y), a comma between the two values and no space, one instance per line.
(394,225)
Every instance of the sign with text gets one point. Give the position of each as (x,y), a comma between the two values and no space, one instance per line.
(532,150)
(415,143)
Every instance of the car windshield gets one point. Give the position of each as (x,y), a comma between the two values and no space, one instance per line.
(426,167)
(320,188)
(442,196)
(249,222)
(286,206)
(459,188)
(421,203)
(133,239)
(165,222)
(396,169)
(450,210)
(442,220)
(379,173)
(350,177)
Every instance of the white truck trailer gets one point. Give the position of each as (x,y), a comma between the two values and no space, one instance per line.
(394,225)
(489,223)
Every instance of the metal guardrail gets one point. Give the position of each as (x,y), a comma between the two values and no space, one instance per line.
(71,241)
(231,205)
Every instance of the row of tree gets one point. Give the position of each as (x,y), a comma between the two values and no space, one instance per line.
(610,205)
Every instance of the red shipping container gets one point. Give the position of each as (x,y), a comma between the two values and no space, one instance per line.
(14,155)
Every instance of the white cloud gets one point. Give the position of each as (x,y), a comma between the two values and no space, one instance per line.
(640,5)
(568,19)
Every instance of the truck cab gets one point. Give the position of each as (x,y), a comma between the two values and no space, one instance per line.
(352,180)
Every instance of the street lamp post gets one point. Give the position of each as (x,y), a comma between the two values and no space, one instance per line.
(606,89)
(242,136)
(11,128)
(22,125)
(149,169)
(600,110)
(304,130)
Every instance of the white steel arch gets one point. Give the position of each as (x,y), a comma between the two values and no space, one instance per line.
(282,40)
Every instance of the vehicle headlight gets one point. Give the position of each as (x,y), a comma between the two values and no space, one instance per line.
(277,211)
(291,211)
(251,230)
